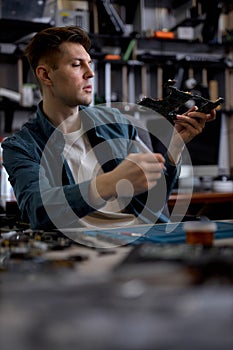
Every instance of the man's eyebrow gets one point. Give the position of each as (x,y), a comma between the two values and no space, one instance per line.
(82,59)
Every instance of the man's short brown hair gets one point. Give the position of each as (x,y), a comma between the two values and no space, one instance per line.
(47,42)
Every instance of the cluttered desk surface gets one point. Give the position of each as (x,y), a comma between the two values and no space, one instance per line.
(121,292)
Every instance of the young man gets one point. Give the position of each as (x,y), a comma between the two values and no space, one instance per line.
(75,165)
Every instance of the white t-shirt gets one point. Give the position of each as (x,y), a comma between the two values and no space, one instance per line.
(85,166)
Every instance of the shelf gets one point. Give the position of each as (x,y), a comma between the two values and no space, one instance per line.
(180,50)
(213,51)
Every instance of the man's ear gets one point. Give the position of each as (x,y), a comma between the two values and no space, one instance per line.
(42,74)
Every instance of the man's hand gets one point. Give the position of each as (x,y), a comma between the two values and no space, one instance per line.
(186,127)
(140,171)
(211,116)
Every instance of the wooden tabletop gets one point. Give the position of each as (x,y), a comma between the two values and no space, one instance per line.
(202,197)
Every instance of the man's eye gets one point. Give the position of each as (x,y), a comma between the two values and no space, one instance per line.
(76,65)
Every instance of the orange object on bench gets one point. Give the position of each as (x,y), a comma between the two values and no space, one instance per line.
(164,35)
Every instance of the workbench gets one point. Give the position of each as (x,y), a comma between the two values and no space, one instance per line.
(60,294)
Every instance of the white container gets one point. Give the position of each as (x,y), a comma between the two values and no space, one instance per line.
(223,186)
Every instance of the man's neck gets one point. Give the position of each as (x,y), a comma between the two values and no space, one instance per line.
(66,119)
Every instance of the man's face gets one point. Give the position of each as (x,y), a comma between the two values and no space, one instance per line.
(71,80)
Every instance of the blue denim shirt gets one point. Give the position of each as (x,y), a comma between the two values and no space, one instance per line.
(42,180)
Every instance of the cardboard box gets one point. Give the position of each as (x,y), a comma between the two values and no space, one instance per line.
(78,18)
(189,33)
(185,33)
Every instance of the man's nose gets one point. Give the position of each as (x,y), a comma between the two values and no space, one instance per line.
(89,73)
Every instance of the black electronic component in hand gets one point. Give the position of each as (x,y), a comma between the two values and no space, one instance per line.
(176,99)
